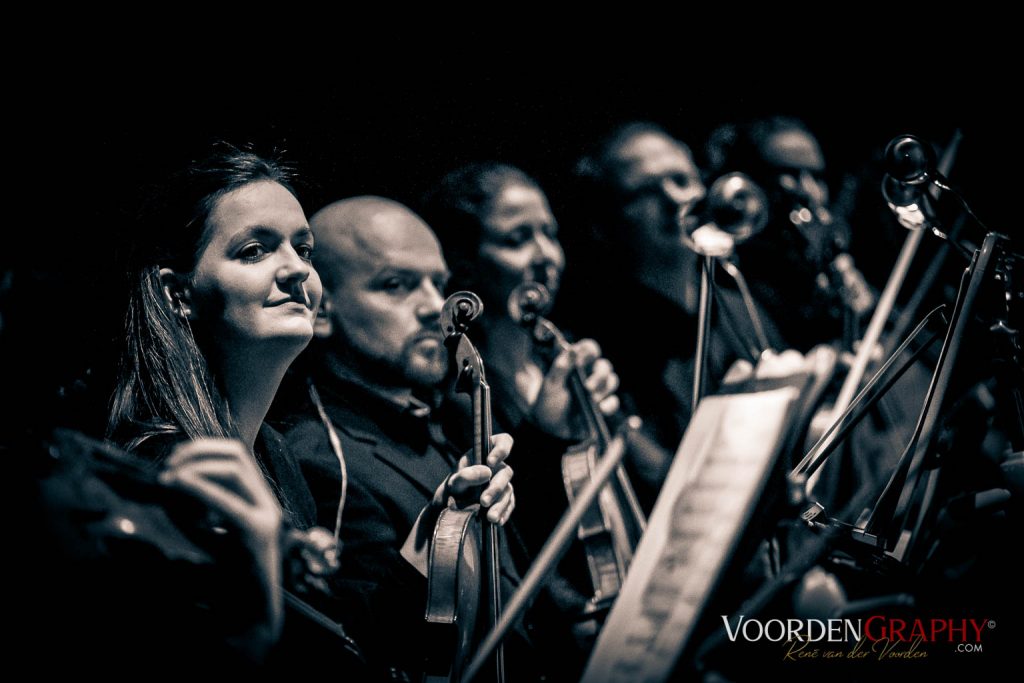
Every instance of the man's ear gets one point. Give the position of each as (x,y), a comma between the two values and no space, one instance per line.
(323,325)
(178,293)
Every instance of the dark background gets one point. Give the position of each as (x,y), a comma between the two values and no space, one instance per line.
(369,131)
(94,135)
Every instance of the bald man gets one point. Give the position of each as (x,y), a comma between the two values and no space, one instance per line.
(377,363)
(385,279)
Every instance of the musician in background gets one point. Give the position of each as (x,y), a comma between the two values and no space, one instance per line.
(498,232)
(797,267)
(377,366)
(634,286)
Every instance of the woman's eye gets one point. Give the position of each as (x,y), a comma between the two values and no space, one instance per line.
(517,237)
(252,252)
(305,251)
(392,284)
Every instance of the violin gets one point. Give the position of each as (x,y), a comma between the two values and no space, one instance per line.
(611,528)
(310,556)
(464,573)
(110,510)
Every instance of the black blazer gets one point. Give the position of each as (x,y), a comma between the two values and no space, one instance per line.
(392,476)
(395,462)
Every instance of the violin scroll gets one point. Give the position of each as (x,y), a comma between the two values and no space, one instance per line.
(528,302)
(459,310)
(527,305)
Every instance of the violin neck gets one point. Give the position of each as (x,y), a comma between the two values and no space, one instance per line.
(491,553)
(596,424)
(481,423)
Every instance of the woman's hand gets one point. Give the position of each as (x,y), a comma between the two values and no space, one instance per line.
(552,409)
(222,474)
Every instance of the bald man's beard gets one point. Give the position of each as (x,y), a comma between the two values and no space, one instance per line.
(422,362)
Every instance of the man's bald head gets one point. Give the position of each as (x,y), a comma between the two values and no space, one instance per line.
(364,229)
(384,279)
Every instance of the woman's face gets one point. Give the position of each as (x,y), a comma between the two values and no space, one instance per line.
(253,281)
(518,243)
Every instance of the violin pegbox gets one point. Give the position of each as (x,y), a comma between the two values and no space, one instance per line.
(459,310)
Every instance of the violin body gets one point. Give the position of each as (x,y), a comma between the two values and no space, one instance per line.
(129,571)
(453,588)
(601,531)
(611,528)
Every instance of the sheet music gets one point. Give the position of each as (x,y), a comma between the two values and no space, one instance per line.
(708,496)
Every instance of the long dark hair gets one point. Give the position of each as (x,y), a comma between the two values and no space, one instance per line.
(165,386)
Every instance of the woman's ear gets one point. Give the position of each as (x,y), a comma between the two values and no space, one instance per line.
(323,325)
(178,293)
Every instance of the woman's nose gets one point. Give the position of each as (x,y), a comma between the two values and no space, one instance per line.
(294,268)
(547,251)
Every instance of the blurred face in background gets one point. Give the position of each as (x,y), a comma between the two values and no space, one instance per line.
(518,243)
(795,183)
(658,185)
(797,160)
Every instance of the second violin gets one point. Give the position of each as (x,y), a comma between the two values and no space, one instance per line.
(611,528)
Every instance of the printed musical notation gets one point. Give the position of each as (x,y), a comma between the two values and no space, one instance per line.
(708,497)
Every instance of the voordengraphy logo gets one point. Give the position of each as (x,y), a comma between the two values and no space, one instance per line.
(779,630)
(877,636)
(927,630)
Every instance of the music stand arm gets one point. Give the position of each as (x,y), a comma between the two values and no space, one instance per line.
(895,497)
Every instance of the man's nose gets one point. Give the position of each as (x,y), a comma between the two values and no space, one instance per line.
(430,301)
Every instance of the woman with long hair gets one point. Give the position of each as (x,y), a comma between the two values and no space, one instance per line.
(222,299)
